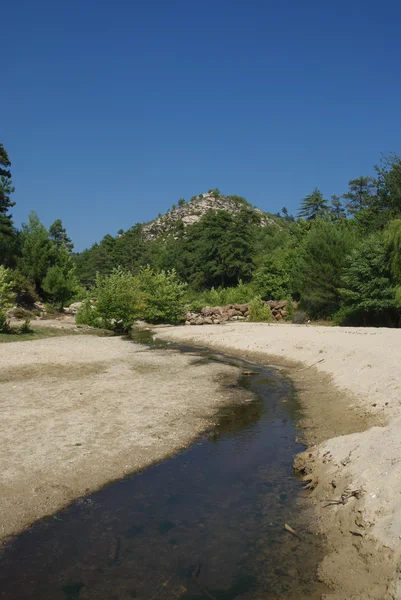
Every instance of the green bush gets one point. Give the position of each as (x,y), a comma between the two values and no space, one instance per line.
(260,312)
(7,298)
(24,289)
(164,294)
(25,328)
(239,294)
(120,300)
(4,323)
(88,315)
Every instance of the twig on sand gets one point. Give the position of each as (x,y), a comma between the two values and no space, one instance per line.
(292,531)
(312,365)
(346,495)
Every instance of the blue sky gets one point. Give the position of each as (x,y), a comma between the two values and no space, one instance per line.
(112,111)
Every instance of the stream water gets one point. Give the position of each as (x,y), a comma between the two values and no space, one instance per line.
(206,524)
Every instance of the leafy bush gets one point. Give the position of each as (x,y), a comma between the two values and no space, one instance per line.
(25,328)
(164,294)
(88,315)
(239,294)
(24,289)
(4,323)
(7,297)
(259,311)
(120,300)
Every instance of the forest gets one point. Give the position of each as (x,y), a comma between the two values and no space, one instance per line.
(338,258)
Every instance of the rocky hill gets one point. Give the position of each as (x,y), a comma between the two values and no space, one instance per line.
(190,212)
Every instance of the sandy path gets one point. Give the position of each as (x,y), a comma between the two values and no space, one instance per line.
(79,411)
(364,548)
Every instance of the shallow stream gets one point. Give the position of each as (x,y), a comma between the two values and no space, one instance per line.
(206,524)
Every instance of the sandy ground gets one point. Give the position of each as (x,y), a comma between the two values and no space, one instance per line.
(349,380)
(79,411)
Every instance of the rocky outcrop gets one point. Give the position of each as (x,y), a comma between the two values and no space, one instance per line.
(190,212)
(215,315)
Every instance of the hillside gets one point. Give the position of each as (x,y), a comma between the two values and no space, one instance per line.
(190,212)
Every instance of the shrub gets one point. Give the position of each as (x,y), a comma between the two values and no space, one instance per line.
(7,298)
(7,294)
(120,300)
(164,294)
(239,294)
(24,289)
(25,328)
(22,313)
(88,315)
(259,311)
(4,323)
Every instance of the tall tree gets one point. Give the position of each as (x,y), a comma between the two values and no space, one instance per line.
(7,233)
(337,211)
(368,292)
(60,282)
(388,203)
(313,206)
(38,251)
(360,196)
(58,234)
(318,266)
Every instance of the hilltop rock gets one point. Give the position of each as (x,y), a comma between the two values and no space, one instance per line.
(192,211)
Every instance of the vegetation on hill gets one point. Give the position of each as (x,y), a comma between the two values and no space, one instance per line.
(340,258)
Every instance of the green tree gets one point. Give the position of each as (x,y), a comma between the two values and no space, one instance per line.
(219,249)
(313,206)
(58,235)
(318,266)
(393,242)
(337,211)
(7,233)
(60,283)
(388,198)
(272,279)
(38,252)
(182,202)
(360,195)
(120,301)
(368,293)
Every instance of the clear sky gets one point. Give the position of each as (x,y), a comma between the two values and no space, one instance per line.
(112,111)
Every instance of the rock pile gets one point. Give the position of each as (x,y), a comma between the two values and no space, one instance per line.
(214,315)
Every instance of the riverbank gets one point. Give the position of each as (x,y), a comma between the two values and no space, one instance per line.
(349,381)
(79,411)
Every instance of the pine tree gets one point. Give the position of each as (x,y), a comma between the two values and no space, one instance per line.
(38,251)
(337,210)
(7,233)
(313,206)
(58,234)
(362,191)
